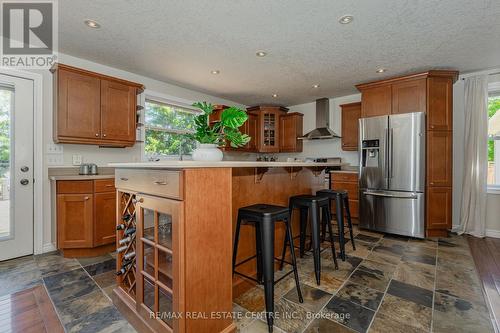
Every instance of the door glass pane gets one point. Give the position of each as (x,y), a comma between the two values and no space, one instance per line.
(165,306)
(149,294)
(149,224)
(149,260)
(165,230)
(6,100)
(165,268)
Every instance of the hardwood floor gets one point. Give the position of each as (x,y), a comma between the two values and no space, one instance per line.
(29,310)
(486,254)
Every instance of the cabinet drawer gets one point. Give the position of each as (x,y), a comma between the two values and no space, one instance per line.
(345,176)
(350,187)
(162,183)
(104,185)
(75,186)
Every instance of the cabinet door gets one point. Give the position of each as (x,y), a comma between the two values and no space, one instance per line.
(290,130)
(439,201)
(118,111)
(252,129)
(269,131)
(75,217)
(409,96)
(376,101)
(105,218)
(440,112)
(159,258)
(78,109)
(350,125)
(439,158)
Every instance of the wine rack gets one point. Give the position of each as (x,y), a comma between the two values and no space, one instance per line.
(126,227)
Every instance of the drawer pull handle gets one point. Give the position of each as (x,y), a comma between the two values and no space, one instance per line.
(160,182)
(124,179)
(108,185)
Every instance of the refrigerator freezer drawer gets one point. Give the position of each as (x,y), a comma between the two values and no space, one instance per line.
(400,213)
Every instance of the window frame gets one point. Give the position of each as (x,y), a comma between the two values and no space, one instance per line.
(493,89)
(160,98)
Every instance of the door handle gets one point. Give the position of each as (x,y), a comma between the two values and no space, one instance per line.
(160,182)
(124,179)
(24,181)
(25,169)
(388,195)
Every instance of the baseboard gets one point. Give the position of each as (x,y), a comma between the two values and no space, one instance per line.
(48,247)
(493,233)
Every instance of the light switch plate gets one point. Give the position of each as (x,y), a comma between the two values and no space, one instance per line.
(52,148)
(77,159)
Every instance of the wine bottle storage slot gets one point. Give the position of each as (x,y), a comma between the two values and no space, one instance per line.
(126,243)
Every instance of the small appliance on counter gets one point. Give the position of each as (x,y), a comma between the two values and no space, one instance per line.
(88,169)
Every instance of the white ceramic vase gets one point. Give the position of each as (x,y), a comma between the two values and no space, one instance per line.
(207,152)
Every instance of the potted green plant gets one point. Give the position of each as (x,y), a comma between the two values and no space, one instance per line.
(211,136)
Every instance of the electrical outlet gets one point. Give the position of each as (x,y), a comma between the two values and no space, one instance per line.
(77,159)
(52,148)
(55,159)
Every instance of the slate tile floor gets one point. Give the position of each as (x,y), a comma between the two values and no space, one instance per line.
(79,289)
(389,284)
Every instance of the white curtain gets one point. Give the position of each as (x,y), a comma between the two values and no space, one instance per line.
(473,213)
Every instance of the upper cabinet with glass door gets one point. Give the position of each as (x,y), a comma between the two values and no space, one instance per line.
(268,127)
(92,108)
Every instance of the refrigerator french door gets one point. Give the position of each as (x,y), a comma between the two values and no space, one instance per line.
(392,174)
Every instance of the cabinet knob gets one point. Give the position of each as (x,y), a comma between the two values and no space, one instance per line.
(97,134)
(432,126)
(432,183)
(141,200)
(85,198)
(104,135)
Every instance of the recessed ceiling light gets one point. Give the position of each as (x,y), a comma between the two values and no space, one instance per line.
(275,95)
(92,24)
(346,19)
(261,54)
(215,72)
(315,86)
(381,70)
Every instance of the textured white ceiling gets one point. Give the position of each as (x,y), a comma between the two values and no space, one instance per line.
(182,41)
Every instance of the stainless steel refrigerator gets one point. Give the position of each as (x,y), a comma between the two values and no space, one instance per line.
(392,174)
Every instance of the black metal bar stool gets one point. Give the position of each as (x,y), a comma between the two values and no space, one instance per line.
(341,202)
(263,217)
(312,204)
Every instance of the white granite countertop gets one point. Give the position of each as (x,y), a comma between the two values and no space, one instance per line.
(80,177)
(222,164)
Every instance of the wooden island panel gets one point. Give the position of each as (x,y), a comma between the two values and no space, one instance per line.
(276,186)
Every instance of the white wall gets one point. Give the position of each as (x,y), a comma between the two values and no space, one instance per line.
(330,147)
(493,199)
(101,156)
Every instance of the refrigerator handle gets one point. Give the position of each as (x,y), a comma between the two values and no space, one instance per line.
(387,157)
(391,150)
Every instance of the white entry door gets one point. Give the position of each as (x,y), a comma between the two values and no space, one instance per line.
(16,166)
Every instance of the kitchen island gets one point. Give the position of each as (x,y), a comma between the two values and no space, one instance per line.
(176,221)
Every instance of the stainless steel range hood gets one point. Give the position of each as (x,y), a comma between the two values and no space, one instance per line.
(322,130)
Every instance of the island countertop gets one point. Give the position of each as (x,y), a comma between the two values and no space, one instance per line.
(174,164)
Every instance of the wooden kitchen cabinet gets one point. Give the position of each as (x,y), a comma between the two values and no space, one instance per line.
(430,92)
(291,125)
(251,127)
(439,158)
(376,101)
(91,108)
(347,181)
(105,211)
(438,213)
(75,215)
(118,112)
(440,96)
(350,126)
(268,127)
(409,96)
(86,211)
